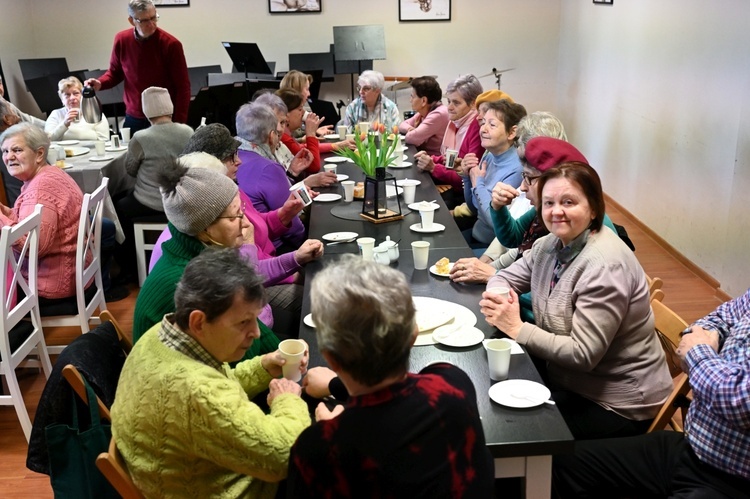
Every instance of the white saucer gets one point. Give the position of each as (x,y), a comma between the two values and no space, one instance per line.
(339,236)
(340,177)
(67,142)
(116,149)
(415,206)
(435,228)
(433,269)
(464,336)
(327,198)
(400,183)
(404,164)
(503,393)
(331,136)
(308,321)
(106,157)
(336,159)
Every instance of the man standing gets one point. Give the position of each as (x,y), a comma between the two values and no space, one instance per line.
(712,458)
(144,57)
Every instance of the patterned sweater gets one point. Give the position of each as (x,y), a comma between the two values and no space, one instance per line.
(188,430)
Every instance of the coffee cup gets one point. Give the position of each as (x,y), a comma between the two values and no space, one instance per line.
(498,358)
(450,158)
(99,147)
(329,168)
(342,131)
(366,246)
(293,352)
(421,253)
(300,192)
(125,132)
(500,291)
(410,189)
(348,190)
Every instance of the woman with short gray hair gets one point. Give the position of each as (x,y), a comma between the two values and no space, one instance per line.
(371,106)
(68,122)
(366,325)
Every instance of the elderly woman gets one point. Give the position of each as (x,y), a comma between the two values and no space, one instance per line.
(68,122)
(595,328)
(365,324)
(461,134)
(299,81)
(183,419)
(426,128)
(371,106)
(24,148)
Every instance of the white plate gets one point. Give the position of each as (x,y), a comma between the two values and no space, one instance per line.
(415,206)
(340,177)
(327,198)
(67,142)
(336,159)
(400,183)
(429,318)
(339,236)
(462,337)
(116,149)
(331,136)
(308,321)
(435,228)
(76,151)
(433,270)
(404,164)
(106,157)
(503,393)
(461,315)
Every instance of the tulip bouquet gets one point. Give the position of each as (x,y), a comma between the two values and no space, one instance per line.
(372,149)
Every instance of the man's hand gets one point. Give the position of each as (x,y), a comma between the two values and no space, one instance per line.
(93,83)
(697,336)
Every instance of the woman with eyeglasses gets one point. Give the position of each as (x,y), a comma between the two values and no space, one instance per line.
(67,122)
(371,106)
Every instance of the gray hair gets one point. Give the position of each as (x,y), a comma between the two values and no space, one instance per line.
(200,159)
(255,121)
(273,101)
(34,136)
(467,86)
(135,6)
(364,317)
(66,83)
(5,109)
(538,124)
(372,79)
(210,283)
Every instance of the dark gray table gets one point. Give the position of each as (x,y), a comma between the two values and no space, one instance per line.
(522,441)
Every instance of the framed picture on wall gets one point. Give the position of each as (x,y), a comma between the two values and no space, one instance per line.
(605,2)
(424,10)
(172,3)
(294,6)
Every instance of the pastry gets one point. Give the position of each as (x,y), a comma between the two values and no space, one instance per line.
(442,266)
(359,190)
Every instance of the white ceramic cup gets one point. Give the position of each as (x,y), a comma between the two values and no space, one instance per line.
(342,131)
(52,155)
(500,290)
(300,192)
(364,127)
(349,136)
(498,358)
(292,351)
(348,190)
(421,252)
(329,168)
(427,215)
(366,247)
(99,146)
(125,132)
(450,158)
(410,190)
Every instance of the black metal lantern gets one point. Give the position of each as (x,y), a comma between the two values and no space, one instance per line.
(381,203)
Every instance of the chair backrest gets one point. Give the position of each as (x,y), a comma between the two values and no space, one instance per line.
(89,246)
(113,467)
(654,284)
(125,341)
(75,380)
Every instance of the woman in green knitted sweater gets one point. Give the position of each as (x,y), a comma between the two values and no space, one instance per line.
(204,209)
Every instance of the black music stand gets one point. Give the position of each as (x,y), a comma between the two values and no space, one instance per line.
(360,44)
(247,58)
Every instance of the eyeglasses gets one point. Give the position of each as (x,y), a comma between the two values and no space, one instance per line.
(364,89)
(153,19)
(238,216)
(530,179)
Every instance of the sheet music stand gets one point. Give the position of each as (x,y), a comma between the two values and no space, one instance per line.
(247,58)
(358,43)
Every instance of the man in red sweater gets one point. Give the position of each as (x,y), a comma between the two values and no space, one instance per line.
(143,57)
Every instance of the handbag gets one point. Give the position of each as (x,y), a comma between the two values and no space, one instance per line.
(73,451)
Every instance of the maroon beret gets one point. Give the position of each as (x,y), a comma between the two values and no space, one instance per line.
(544,153)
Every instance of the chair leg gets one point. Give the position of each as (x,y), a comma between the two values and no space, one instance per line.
(23,415)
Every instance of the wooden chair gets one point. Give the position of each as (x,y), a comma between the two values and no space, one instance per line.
(113,467)
(89,243)
(654,285)
(20,338)
(668,326)
(125,342)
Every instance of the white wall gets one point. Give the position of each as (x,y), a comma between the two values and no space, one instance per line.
(655,95)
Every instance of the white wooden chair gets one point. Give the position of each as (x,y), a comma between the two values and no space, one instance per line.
(141,246)
(20,338)
(89,244)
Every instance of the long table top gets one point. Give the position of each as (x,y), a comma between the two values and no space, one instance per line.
(509,432)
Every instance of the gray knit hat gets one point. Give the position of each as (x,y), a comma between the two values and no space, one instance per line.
(215,139)
(155,101)
(194,197)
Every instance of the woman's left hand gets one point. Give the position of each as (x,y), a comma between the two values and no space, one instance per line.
(324,130)
(273,361)
(504,314)
(323,414)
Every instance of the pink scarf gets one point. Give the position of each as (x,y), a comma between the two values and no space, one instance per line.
(456,131)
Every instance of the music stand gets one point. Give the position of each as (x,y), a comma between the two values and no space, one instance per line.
(247,58)
(358,43)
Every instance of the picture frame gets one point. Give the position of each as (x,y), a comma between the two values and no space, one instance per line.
(604,2)
(424,10)
(295,6)
(172,3)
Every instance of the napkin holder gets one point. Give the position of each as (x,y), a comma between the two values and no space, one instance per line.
(377,207)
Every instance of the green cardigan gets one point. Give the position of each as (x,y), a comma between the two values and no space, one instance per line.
(156,298)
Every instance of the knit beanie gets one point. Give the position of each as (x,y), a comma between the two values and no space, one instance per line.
(195,197)
(544,153)
(492,96)
(214,139)
(155,102)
